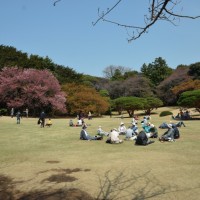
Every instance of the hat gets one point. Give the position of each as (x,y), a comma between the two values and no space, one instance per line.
(99,126)
(114,129)
(170,125)
(152,125)
(122,123)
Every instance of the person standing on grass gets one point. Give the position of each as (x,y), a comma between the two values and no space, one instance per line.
(12,112)
(18,115)
(42,119)
(26,111)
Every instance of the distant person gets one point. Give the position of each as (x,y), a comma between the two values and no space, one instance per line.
(122,129)
(85,136)
(12,112)
(89,115)
(142,139)
(71,123)
(153,131)
(114,137)
(79,122)
(168,135)
(130,134)
(26,112)
(49,123)
(18,115)
(101,132)
(42,119)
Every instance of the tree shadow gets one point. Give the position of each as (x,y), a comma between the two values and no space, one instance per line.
(113,185)
(119,186)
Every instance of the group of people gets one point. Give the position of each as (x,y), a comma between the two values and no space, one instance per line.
(132,132)
(182,115)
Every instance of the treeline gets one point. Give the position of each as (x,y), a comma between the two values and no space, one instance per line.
(156,84)
(11,57)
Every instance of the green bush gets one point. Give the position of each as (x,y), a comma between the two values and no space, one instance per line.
(3,111)
(165,113)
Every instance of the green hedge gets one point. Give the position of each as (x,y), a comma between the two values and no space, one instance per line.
(165,113)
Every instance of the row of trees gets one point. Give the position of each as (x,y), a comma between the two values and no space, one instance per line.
(45,85)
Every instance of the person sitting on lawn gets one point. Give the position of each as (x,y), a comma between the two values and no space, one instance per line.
(132,132)
(134,120)
(164,125)
(142,139)
(85,136)
(71,123)
(49,123)
(122,129)
(153,131)
(114,137)
(168,135)
(146,127)
(79,122)
(101,132)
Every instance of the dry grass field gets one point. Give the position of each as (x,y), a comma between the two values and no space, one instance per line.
(53,164)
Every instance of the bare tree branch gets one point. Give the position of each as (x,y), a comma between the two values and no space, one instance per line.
(157,10)
(55,2)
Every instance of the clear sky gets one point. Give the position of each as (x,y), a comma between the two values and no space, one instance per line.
(66,35)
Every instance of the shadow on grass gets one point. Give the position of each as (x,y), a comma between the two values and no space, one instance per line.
(112,186)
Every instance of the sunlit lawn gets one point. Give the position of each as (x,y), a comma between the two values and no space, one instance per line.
(30,154)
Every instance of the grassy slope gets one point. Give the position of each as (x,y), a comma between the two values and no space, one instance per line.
(170,170)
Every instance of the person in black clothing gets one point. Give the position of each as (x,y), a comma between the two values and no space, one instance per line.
(142,139)
(42,119)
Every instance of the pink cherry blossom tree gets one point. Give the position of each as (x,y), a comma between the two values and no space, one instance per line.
(30,88)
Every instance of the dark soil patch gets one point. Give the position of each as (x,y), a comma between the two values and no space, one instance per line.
(70,194)
(52,161)
(6,188)
(87,170)
(7,192)
(59,178)
(69,171)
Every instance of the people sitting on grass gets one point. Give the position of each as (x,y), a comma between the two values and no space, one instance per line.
(131,133)
(164,125)
(134,120)
(80,122)
(144,121)
(168,135)
(122,129)
(153,131)
(71,123)
(85,136)
(114,137)
(182,115)
(49,123)
(142,139)
(101,132)
(146,127)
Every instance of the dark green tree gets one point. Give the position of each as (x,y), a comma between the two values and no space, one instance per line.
(194,70)
(156,71)
(190,99)
(130,104)
(151,104)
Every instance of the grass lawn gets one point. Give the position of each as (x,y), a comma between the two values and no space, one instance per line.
(49,159)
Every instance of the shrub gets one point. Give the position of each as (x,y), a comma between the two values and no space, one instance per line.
(3,111)
(165,113)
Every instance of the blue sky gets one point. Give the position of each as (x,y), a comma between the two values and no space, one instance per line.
(66,35)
